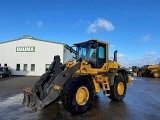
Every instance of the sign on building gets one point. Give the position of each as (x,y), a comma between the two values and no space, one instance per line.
(25,49)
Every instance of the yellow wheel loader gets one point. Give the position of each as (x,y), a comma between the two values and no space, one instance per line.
(150,71)
(76,83)
(154,70)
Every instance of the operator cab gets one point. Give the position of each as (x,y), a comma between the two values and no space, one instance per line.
(93,51)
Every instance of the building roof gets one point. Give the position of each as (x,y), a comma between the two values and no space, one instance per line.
(32,38)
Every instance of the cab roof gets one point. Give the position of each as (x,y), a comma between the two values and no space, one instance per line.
(91,41)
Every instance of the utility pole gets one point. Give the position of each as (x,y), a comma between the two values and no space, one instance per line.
(148,58)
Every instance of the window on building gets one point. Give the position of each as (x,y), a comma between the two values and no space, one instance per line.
(25,67)
(18,67)
(47,66)
(32,67)
(5,64)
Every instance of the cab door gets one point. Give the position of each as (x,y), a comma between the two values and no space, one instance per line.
(101,55)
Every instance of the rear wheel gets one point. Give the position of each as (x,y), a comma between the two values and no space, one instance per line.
(156,75)
(118,89)
(77,95)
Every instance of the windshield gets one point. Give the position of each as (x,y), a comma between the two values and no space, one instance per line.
(85,52)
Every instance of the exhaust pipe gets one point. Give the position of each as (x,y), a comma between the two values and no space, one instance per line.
(115,56)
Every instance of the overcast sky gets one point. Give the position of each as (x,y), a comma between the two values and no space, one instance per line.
(130,26)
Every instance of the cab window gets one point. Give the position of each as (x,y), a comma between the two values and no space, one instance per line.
(101,55)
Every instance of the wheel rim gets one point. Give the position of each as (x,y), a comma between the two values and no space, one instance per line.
(120,88)
(156,74)
(82,95)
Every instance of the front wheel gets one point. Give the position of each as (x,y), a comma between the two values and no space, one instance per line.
(118,89)
(77,95)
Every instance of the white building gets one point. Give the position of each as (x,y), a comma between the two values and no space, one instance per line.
(31,56)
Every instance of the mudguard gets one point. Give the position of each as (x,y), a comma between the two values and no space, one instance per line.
(112,73)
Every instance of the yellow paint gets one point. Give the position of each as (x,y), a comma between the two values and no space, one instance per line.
(101,83)
(57,87)
(97,86)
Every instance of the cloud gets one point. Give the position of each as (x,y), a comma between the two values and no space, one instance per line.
(100,24)
(39,23)
(82,22)
(158,60)
(148,58)
(112,46)
(151,54)
(123,60)
(151,57)
(120,56)
(128,61)
(147,37)
(79,22)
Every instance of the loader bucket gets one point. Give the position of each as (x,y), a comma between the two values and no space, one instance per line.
(31,100)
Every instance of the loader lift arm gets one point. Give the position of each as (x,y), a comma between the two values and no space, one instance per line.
(47,78)
(44,91)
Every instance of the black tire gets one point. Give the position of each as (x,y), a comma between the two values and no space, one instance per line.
(156,75)
(69,95)
(115,95)
(9,75)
